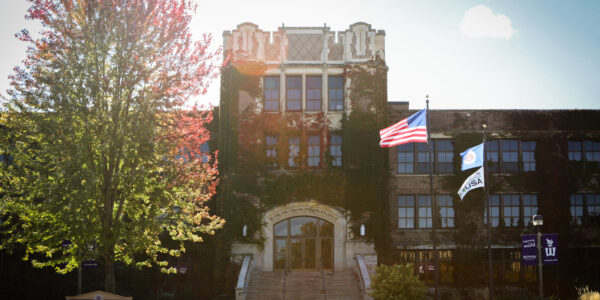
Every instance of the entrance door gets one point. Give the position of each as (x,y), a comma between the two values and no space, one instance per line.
(303,244)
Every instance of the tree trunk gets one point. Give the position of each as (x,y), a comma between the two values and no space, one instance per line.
(109,275)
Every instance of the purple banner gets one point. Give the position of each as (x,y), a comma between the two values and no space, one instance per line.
(529,249)
(550,249)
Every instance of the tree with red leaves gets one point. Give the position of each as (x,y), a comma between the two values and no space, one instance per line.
(107,165)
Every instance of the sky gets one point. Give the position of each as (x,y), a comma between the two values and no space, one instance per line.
(464,54)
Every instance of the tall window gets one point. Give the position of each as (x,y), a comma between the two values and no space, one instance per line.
(530,208)
(271,150)
(294,149)
(492,155)
(584,205)
(335,148)
(313,93)
(586,151)
(293,93)
(314,151)
(510,203)
(406,211)
(271,93)
(335,88)
(406,158)
(510,156)
(422,158)
(424,211)
(495,211)
(446,211)
(444,154)
(528,154)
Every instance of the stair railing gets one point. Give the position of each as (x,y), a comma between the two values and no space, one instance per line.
(284,274)
(322,278)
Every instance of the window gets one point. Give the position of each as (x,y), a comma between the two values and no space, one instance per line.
(414,157)
(406,211)
(422,260)
(444,155)
(336,92)
(313,93)
(529,208)
(584,205)
(424,211)
(510,204)
(406,158)
(446,211)
(335,148)
(514,209)
(528,154)
(271,150)
(586,151)
(293,90)
(271,93)
(314,151)
(294,149)
(510,156)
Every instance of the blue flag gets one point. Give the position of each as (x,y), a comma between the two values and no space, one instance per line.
(472,158)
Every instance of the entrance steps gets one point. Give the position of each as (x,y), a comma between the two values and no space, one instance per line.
(341,285)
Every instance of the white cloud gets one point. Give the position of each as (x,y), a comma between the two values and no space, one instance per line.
(481,22)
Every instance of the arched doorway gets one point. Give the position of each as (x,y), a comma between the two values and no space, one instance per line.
(303,244)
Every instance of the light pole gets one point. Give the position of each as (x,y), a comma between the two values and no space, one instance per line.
(538,221)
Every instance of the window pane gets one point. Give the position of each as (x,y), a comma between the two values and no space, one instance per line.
(406,208)
(271,150)
(491,149)
(314,150)
(528,154)
(281,228)
(510,156)
(294,148)
(271,93)
(445,155)
(424,211)
(313,93)
(446,210)
(335,149)
(306,226)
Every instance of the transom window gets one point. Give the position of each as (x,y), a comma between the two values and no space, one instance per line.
(293,93)
(335,88)
(271,93)
(313,93)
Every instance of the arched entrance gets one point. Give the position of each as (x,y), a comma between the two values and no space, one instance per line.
(303,243)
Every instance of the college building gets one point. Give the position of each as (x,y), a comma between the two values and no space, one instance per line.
(312,199)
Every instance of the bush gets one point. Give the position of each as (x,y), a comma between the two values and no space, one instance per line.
(396,282)
(586,294)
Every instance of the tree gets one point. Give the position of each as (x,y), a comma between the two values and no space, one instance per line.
(396,282)
(107,165)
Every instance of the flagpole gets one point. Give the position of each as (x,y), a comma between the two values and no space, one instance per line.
(489,215)
(434,211)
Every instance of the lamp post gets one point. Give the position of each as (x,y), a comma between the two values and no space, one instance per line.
(538,221)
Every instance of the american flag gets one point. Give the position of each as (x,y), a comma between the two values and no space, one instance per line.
(410,130)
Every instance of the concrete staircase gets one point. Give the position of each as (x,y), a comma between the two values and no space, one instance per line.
(343,285)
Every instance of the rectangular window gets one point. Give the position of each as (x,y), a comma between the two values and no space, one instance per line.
(313,93)
(492,155)
(446,211)
(591,151)
(406,211)
(424,211)
(335,87)
(422,158)
(510,156)
(406,158)
(574,148)
(271,93)
(528,155)
(335,148)
(294,149)
(576,208)
(271,150)
(293,93)
(593,204)
(530,207)
(586,151)
(495,211)
(510,203)
(445,154)
(314,151)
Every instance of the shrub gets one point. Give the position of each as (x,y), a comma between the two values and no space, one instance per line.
(586,294)
(396,282)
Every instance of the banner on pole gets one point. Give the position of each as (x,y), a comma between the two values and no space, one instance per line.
(549,249)
(476,180)
(529,249)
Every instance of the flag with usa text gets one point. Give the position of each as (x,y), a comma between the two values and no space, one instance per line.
(410,130)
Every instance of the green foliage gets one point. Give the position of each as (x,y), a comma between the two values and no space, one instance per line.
(396,282)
